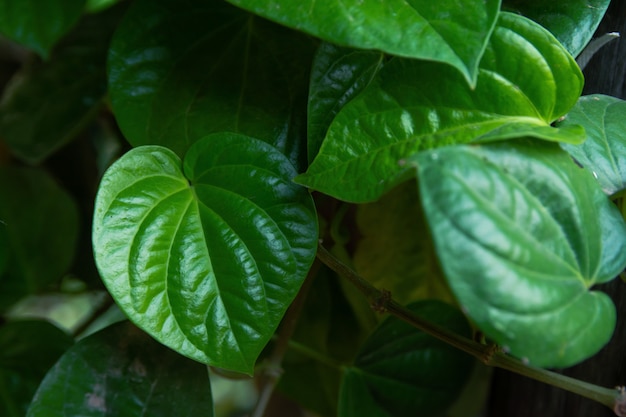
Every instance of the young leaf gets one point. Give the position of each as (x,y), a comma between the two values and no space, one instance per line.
(403,112)
(522,234)
(401,371)
(38,25)
(573,22)
(50,102)
(41,222)
(337,76)
(604,151)
(454,32)
(120,371)
(205,258)
(179,70)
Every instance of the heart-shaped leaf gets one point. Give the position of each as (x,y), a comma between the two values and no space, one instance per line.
(36,24)
(180,70)
(205,258)
(120,371)
(522,234)
(604,151)
(454,32)
(403,111)
(401,371)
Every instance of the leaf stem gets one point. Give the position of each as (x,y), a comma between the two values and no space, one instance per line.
(490,355)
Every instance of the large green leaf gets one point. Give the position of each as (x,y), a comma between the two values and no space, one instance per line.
(120,371)
(179,70)
(27,351)
(522,234)
(401,371)
(604,151)
(205,258)
(451,31)
(573,22)
(38,24)
(48,103)
(526,81)
(41,222)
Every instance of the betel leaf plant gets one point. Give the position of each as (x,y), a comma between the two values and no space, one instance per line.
(348,201)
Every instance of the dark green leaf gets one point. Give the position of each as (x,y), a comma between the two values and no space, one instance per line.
(121,371)
(41,222)
(38,24)
(49,103)
(4,247)
(604,151)
(526,81)
(522,234)
(401,371)
(573,22)
(27,350)
(179,70)
(206,258)
(337,76)
(450,31)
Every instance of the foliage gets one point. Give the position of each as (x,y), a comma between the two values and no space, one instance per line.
(202,149)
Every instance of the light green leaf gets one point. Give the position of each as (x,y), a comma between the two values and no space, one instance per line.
(121,371)
(205,258)
(604,151)
(522,234)
(401,371)
(450,31)
(573,22)
(179,70)
(38,25)
(48,103)
(526,81)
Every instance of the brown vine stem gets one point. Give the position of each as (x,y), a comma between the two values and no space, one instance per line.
(273,367)
(490,355)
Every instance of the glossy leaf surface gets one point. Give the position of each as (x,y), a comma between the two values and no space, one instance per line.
(604,151)
(205,258)
(48,103)
(453,32)
(401,371)
(522,234)
(121,371)
(573,22)
(179,70)
(337,76)
(38,25)
(41,222)
(526,81)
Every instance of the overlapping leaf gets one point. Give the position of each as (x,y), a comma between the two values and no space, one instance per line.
(205,258)
(179,70)
(401,371)
(121,371)
(604,151)
(522,234)
(526,81)
(453,32)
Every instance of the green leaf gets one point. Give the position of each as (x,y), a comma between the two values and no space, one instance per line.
(179,70)
(48,103)
(604,151)
(337,76)
(526,81)
(4,247)
(452,31)
(573,22)
(120,371)
(38,25)
(205,258)
(401,371)
(27,351)
(522,234)
(41,222)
